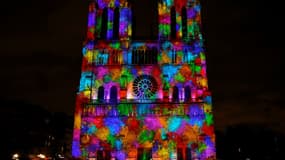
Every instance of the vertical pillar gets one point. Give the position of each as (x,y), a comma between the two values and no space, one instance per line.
(178,25)
(91,22)
(184,23)
(125,24)
(116,22)
(193,20)
(163,21)
(98,22)
(129,23)
(110,23)
(76,152)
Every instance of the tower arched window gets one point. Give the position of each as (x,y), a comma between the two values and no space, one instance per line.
(104,27)
(175,94)
(116,23)
(173,23)
(184,22)
(113,94)
(187,94)
(101,94)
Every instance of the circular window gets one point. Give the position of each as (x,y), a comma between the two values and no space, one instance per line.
(144,86)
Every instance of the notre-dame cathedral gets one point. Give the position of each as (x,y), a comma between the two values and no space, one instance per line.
(142,99)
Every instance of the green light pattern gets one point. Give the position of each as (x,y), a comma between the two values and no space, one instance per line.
(198,69)
(125,109)
(202,147)
(112,140)
(209,119)
(179,77)
(145,136)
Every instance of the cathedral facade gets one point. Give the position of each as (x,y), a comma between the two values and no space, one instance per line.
(143,99)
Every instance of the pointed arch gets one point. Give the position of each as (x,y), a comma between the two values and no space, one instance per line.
(116,25)
(101,94)
(113,94)
(187,94)
(175,94)
(173,23)
(184,22)
(104,27)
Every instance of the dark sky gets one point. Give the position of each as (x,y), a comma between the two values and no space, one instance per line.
(40,56)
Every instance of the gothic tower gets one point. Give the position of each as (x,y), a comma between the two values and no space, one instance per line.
(142,100)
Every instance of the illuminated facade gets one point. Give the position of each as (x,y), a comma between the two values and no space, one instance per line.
(144,100)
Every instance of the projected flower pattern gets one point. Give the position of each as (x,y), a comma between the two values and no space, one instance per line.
(124,127)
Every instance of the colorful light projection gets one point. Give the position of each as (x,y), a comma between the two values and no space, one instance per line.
(192,15)
(96,19)
(173,119)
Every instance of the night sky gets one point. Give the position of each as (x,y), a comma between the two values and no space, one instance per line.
(40,56)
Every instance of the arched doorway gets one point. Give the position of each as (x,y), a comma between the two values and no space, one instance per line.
(175,94)
(113,94)
(187,94)
(101,94)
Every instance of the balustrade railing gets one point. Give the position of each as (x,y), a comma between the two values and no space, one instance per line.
(140,110)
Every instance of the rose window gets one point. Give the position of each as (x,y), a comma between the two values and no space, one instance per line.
(144,86)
